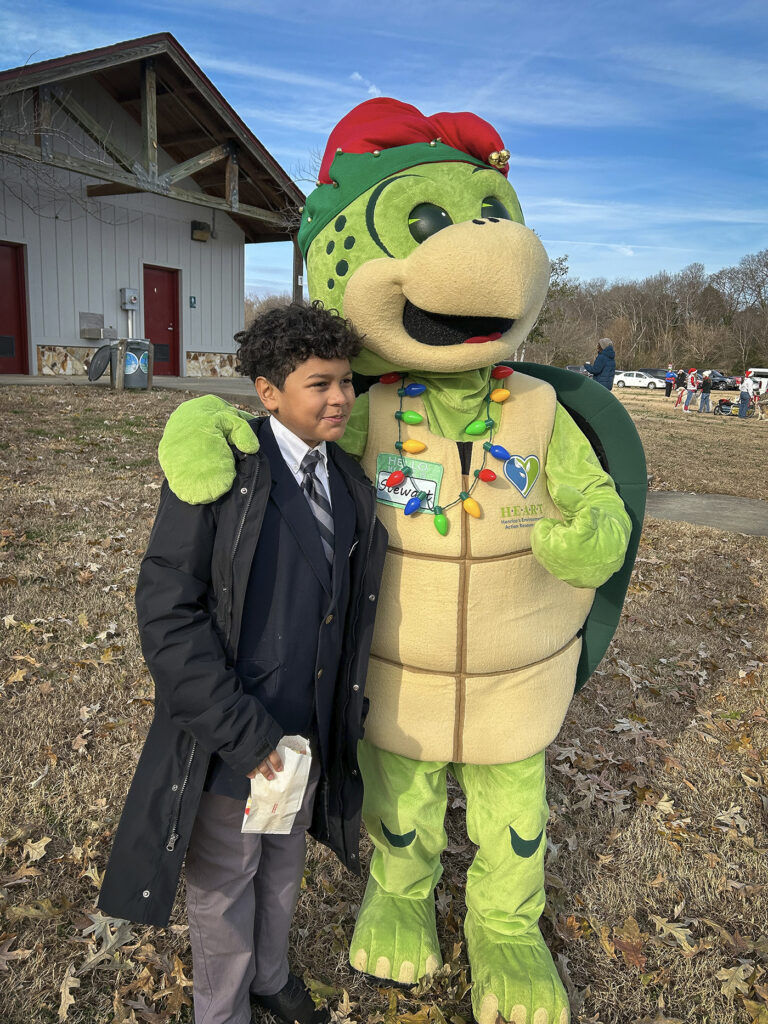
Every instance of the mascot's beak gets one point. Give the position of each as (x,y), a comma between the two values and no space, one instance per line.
(465,298)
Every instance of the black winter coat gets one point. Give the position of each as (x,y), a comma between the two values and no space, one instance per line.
(190,597)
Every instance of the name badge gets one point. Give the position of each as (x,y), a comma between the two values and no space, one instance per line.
(424,476)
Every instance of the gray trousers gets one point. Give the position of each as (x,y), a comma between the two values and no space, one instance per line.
(241,896)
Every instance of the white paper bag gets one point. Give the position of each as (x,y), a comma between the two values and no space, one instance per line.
(273,806)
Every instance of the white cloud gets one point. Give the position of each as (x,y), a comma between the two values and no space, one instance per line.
(698,69)
(373,90)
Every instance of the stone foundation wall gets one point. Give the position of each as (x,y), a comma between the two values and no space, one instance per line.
(211,364)
(70,360)
(73,360)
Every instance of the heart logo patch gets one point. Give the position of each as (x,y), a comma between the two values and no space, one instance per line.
(522,472)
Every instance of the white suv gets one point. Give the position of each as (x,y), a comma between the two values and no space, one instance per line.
(636,379)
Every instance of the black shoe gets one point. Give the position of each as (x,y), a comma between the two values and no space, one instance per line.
(293,1003)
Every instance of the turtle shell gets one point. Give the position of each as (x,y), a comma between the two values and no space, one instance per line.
(614,438)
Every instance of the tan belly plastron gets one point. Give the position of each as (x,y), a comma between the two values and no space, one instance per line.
(475,649)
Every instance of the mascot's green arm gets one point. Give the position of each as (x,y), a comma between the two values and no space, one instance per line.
(195,452)
(589,545)
(355,437)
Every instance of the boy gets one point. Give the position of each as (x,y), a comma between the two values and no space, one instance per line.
(256,615)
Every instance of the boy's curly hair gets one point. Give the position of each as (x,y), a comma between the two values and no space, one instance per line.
(279,340)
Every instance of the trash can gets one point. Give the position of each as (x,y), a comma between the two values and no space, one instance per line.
(136,362)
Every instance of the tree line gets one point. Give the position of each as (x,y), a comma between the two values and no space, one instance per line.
(690,318)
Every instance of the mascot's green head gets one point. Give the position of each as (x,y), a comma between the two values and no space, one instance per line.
(415,234)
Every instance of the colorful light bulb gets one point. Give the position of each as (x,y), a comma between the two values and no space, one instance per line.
(441,523)
(500,372)
(470,505)
(412,390)
(499,395)
(411,446)
(477,427)
(498,451)
(395,478)
(414,504)
(485,474)
(409,416)
(390,378)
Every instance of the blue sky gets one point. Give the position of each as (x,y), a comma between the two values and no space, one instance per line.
(637,129)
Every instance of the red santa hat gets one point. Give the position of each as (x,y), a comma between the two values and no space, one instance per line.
(384,136)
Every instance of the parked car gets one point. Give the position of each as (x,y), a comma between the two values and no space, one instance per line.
(659,371)
(579,369)
(722,382)
(635,379)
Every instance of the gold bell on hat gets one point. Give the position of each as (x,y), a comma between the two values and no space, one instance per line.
(499,158)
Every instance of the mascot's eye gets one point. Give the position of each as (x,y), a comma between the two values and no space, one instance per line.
(493,207)
(426,219)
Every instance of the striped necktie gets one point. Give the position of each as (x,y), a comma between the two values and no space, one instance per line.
(318,501)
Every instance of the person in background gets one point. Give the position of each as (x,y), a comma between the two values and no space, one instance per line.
(746,390)
(706,387)
(691,386)
(670,379)
(604,367)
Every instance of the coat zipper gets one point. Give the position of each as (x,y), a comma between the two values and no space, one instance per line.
(371,532)
(238,535)
(173,836)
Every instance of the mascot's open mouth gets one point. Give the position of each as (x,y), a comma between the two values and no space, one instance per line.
(442,329)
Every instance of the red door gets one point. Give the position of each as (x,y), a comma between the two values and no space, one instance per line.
(161,318)
(13,316)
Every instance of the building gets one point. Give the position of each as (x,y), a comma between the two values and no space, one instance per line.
(128,189)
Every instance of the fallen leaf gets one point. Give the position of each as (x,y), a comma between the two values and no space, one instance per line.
(25,871)
(758,1012)
(111,941)
(67,999)
(6,941)
(734,979)
(35,851)
(40,910)
(629,941)
(675,930)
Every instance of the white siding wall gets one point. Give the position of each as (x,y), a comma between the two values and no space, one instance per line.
(80,251)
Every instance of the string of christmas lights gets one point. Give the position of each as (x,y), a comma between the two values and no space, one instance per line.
(476,428)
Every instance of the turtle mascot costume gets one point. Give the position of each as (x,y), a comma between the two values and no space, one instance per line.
(509,546)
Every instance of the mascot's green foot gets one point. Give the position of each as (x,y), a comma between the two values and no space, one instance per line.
(514,977)
(395,937)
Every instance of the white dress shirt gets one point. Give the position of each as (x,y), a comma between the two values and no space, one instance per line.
(293,450)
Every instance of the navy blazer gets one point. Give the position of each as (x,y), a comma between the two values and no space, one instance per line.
(284,658)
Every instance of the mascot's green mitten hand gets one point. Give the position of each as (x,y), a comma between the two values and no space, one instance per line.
(589,545)
(195,452)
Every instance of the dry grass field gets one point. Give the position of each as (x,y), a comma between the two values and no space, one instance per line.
(657,870)
(703,453)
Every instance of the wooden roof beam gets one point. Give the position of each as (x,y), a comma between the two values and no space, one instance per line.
(110,173)
(195,164)
(91,127)
(149,117)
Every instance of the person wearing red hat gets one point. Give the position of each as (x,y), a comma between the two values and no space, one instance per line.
(746,390)
(693,383)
